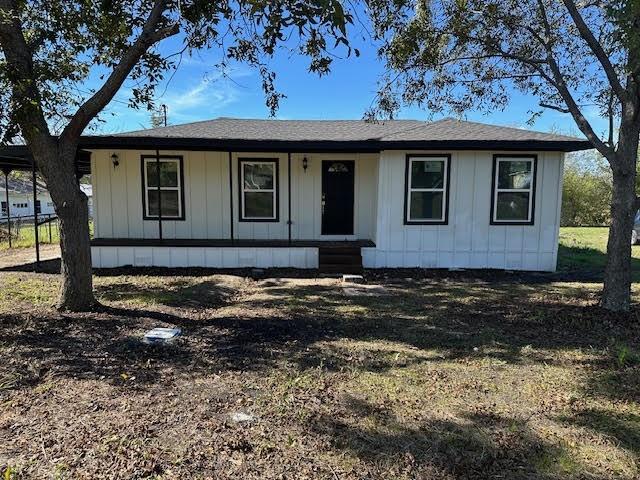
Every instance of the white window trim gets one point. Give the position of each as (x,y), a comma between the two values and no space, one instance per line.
(410,189)
(273,191)
(529,190)
(147,188)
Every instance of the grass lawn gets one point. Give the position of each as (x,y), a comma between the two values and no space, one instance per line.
(428,376)
(583,249)
(26,235)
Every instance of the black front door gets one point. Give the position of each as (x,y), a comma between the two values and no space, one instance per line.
(337,197)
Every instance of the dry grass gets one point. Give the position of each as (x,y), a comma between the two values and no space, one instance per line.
(449,376)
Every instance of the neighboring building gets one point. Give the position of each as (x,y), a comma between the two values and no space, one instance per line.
(21,198)
(328,194)
(87,189)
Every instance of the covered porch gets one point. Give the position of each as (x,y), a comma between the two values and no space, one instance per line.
(234,209)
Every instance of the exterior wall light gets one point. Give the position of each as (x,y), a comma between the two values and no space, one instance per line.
(305,163)
(115,160)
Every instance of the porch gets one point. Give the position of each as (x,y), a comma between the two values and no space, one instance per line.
(332,256)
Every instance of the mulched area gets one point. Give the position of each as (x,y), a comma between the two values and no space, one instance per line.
(445,377)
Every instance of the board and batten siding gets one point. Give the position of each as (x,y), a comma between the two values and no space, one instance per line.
(468,240)
(117,193)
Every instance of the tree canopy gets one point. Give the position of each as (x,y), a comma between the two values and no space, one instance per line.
(471,54)
(459,55)
(69,43)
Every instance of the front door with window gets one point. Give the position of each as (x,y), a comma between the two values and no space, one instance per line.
(337,197)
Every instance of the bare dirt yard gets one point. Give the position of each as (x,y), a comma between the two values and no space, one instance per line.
(27,256)
(418,376)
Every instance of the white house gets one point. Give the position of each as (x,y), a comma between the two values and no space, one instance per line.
(334,195)
(21,198)
(21,202)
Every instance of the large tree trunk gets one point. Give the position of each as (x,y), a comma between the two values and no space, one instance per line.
(616,295)
(76,292)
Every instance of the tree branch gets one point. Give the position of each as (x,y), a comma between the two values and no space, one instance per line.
(21,74)
(554,107)
(560,84)
(610,114)
(596,48)
(91,107)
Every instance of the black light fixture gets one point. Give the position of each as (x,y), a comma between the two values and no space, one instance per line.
(305,163)
(115,160)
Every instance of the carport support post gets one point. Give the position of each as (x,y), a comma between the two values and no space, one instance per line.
(6,196)
(35,211)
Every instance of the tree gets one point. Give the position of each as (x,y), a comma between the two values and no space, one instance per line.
(50,49)
(464,54)
(586,195)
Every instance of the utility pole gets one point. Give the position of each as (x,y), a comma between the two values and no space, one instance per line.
(164,110)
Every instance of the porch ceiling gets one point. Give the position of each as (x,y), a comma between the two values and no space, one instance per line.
(18,157)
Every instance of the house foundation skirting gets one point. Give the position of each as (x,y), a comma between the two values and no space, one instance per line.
(208,257)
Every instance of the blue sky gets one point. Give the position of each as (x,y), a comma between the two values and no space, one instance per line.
(197,91)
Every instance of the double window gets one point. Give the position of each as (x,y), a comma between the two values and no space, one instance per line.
(4,208)
(162,185)
(427,189)
(258,190)
(514,179)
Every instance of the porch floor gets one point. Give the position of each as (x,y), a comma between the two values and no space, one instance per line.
(189,242)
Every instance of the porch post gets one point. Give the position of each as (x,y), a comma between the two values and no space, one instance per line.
(231,194)
(289,193)
(35,211)
(159,195)
(6,195)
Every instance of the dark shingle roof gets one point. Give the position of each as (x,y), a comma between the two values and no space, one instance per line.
(343,130)
(234,133)
(19,185)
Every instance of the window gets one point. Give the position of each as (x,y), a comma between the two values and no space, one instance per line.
(514,181)
(162,188)
(258,190)
(49,204)
(426,189)
(4,208)
(38,207)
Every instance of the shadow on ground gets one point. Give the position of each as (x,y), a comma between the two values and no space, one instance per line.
(438,321)
(301,335)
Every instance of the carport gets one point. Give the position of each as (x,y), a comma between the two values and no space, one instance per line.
(18,158)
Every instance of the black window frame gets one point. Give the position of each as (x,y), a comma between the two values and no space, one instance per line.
(407,189)
(494,190)
(143,178)
(276,167)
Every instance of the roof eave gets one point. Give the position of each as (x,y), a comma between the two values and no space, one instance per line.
(301,146)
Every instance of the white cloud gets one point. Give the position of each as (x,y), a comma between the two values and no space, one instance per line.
(186,100)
